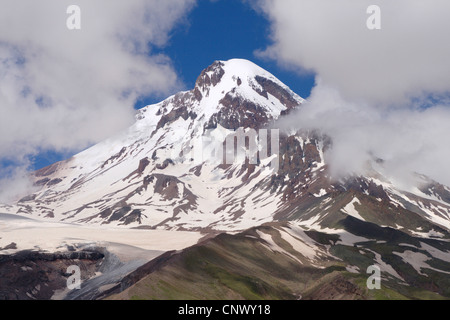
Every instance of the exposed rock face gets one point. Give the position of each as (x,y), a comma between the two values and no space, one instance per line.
(432,188)
(236,112)
(47,171)
(115,157)
(12,245)
(28,255)
(270,87)
(181,102)
(165,164)
(119,214)
(32,275)
(31,197)
(142,165)
(210,77)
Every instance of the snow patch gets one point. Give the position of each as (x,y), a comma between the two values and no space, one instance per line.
(418,261)
(274,247)
(321,193)
(351,210)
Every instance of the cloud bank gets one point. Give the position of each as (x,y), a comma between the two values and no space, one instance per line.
(64,89)
(408,140)
(382,93)
(407,57)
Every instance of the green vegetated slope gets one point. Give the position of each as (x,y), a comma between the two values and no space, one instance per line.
(286,261)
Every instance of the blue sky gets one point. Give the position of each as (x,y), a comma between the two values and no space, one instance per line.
(214,30)
(223,30)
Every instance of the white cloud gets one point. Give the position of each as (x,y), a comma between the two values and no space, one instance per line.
(371,82)
(409,140)
(63,89)
(15,183)
(409,55)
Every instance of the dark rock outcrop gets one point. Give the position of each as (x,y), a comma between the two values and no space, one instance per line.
(33,275)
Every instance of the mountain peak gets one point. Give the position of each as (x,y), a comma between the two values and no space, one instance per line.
(234,93)
(210,76)
(236,88)
(228,95)
(234,73)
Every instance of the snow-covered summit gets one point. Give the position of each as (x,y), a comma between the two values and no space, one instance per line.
(233,89)
(226,74)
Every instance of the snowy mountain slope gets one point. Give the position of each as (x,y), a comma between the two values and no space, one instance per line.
(167,172)
(162,173)
(138,177)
